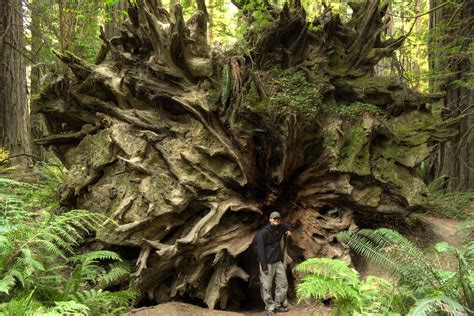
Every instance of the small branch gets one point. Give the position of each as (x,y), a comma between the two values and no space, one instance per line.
(67,137)
(455,13)
(421,14)
(19,155)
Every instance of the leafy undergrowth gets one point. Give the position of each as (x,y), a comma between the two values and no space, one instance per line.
(40,269)
(456,205)
(426,288)
(331,279)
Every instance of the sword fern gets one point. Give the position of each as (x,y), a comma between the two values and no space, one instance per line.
(434,290)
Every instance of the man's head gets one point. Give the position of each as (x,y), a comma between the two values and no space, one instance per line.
(275,218)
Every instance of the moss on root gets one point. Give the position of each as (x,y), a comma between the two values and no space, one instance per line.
(355,156)
(412,188)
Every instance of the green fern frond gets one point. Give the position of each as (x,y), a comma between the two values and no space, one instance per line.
(330,268)
(97,256)
(7,182)
(22,305)
(7,283)
(100,301)
(394,252)
(116,272)
(329,278)
(53,236)
(429,306)
(71,308)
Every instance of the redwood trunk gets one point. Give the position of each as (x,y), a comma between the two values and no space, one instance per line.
(15,130)
(452,30)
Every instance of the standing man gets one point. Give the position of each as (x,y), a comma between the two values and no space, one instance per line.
(267,244)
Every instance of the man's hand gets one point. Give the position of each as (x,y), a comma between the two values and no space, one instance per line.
(288,234)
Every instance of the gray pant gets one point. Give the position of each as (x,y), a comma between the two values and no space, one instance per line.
(276,271)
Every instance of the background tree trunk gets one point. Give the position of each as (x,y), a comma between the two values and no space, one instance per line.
(37,123)
(115,16)
(451,63)
(13,85)
(190,150)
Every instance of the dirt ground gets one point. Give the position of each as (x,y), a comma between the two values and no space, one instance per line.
(183,309)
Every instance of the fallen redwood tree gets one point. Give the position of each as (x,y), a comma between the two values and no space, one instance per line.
(189,148)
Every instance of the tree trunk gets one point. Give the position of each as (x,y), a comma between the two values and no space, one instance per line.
(13,90)
(116,17)
(36,119)
(452,30)
(190,152)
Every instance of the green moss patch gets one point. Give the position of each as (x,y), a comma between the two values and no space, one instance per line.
(354,155)
(412,188)
(356,109)
(413,128)
(289,93)
(407,156)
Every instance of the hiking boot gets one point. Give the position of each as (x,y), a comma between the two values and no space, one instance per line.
(281,309)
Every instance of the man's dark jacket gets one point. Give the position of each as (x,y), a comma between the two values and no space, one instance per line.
(267,243)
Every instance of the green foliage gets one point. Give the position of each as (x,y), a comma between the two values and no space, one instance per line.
(380,296)
(326,278)
(433,289)
(260,14)
(71,25)
(356,109)
(18,199)
(39,270)
(448,204)
(332,279)
(432,305)
(295,95)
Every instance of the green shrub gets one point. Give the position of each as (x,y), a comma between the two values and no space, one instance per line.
(356,109)
(40,273)
(449,204)
(433,290)
(332,279)
(295,94)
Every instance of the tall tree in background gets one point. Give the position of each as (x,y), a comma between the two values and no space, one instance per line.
(36,44)
(116,12)
(61,25)
(451,64)
(15,129)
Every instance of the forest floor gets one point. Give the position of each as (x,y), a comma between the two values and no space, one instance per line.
(183,309)
(427,231)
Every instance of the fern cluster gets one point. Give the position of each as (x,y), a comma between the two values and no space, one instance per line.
(333,279)
(433,290)
(19,200)
(40,273)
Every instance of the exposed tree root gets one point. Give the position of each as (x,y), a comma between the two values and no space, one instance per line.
(190,150)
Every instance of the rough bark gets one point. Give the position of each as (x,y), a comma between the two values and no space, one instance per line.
(36,119)
(15,129)
(452,31)
(190,150)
